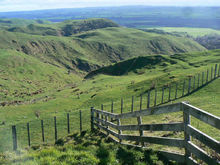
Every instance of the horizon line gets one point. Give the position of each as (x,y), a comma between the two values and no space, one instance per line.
(177,6)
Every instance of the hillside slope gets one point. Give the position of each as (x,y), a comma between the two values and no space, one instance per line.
(23,77)
(66,28)
(89,148)
(91,50)
(131,42)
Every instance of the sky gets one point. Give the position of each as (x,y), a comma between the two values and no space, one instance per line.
(23,5)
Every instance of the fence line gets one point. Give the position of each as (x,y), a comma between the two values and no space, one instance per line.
(30,133)
(188,87)
(151,101)
(185,126)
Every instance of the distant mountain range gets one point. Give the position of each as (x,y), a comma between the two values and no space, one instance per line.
(132,16)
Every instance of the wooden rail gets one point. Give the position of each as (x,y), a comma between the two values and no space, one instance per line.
(185,126)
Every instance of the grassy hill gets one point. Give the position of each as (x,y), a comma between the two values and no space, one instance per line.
(88,148)
(15,22)
(42,76)
(66,28)
(97,43)
(103,88)
(22,77)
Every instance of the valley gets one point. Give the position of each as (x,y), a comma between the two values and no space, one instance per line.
(51,69)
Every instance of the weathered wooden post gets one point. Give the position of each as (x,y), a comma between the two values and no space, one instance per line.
(189,87)
(198,80)
(148,99)
(80,121)
(203,75)
(139,120)
(219,70)
(155,97)
(98,117)
(132,104)
(169,98)
(162,95)
(207,78)
(121,105)
(92,119)
(211,73)
(107,127)
(102,107)
(141,102)
(14,138)
(28,133)
(55,127)
(194,82)
(216,67)
(112,107)
(186,120)
(42,130)
(184,84)
(68,123)
(176,90)
(119,131)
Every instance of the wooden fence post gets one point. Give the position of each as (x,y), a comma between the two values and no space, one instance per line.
(211,73)
(68,123)
(148,99)
(184,83)
(112,107)
(216,67)
(176,90)
(55,127)
(203,75)
(14,138)
(169,98)
(92,119)
(121,105)
(98,116)
(119,131)
(139,119)
(80,121)
(28,133)
(42,129)
(162,95)
(107,127)
(155,97)
(219,70)
(189,87)
(132,104)
(207,78)
(102,110)
(140,102)
(194,82)
(198,80)
(186,120)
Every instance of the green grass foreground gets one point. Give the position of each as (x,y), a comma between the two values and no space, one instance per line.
(85,149)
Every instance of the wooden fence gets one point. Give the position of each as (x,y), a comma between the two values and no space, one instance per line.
(106,121)
(158,96)
(54,127)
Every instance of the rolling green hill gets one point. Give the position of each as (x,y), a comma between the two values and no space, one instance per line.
(92,49)
(44,75)
(22,77)
(66,28)
(74,56)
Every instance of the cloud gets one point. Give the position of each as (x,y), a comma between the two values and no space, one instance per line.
(16,5)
